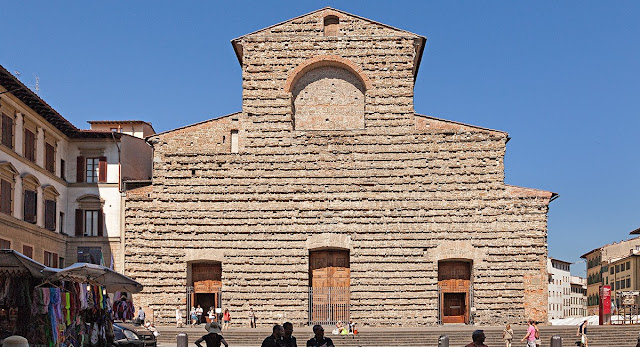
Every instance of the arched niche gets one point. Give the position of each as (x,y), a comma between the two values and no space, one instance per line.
(328,93)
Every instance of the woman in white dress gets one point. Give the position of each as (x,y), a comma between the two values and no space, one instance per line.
(179,323)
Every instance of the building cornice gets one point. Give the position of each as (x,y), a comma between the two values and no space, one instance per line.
(33,165)
(31,228)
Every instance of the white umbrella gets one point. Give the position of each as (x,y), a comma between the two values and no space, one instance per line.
(97,274)
(14,262)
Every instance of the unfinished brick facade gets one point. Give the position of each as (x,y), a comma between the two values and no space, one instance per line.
(400,192)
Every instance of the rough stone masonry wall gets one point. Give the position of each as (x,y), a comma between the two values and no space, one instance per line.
(401,194)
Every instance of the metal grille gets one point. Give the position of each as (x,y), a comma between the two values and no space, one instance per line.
(188,293)
(439,305)
(328,305)
(471,305)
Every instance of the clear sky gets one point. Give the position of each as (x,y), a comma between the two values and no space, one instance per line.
(561,77)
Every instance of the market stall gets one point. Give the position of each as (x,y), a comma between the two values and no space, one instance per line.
(113,282)
(58,307)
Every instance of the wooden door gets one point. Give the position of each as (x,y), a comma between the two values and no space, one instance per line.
(454,280)
(330,280)
(206,278)
(454,308)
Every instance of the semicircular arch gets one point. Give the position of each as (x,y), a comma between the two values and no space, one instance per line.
(327,60)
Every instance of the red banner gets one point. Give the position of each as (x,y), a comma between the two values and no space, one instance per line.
(605,302)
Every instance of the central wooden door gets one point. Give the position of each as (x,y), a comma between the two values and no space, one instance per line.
(454,307)
(329,277)
(454,280)
(207,283)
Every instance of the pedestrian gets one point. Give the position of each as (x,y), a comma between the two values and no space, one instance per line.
(252,318)
(289,339)
(226,319)
(478,339)
(193,317)
(211,315)
(537,335)
(352,327)
(275,339)
(507,335)
(140,317)
(213,338)
(582,333)
(318,339)
(179,323)
(531,335)
(199,312)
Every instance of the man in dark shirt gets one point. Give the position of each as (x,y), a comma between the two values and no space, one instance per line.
(478,339)
(319,340)
(289,340)
(275,339)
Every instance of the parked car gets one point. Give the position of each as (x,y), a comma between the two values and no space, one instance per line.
(129,335)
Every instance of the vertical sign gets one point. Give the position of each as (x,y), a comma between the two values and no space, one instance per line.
(605,304)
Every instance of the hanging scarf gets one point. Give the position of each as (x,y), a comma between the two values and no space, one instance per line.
(40,302)
(67,306)
(54,302)
(83,297)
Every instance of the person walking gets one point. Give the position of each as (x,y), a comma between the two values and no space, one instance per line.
(318,339)
(226,319)
(275,339)
(252,318)
(478,339)
(211,315)
(213,338)
(179,323)
(199,312)
(140,318)
(288,338)
(582,333)
(507,335)
(537,334)
(531,335)
(193,316)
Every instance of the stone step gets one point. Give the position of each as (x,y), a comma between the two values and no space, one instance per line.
(609,336)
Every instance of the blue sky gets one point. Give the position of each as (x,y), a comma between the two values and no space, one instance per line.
(562,77)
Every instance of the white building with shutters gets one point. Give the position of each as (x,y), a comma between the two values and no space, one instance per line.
(559,288)
(61,188)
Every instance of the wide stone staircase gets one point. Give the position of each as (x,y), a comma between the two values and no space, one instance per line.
(459,335)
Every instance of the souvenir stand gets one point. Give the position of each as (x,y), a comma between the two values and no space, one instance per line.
(97,281)
(57,307)
(19,276)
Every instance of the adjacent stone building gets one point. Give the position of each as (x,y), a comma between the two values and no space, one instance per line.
(327,197)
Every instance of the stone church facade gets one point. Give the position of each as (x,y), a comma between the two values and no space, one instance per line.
(327,197)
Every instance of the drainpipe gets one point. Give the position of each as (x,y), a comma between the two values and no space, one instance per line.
(122,201)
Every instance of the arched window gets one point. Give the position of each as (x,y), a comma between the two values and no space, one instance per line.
(331,26)
(328,98)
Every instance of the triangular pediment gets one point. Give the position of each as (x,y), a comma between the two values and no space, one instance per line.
(312,24)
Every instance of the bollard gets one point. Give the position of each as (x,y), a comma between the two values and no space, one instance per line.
(182,340)
(443,341)
(556,341)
